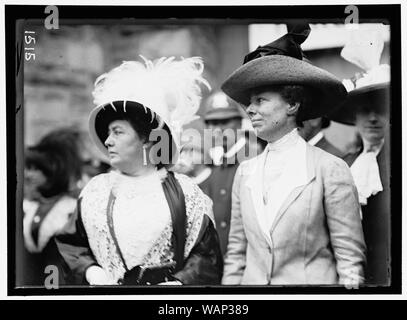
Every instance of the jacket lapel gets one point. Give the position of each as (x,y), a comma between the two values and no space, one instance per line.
(299,186)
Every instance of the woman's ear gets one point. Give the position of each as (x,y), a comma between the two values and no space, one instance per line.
(293,108)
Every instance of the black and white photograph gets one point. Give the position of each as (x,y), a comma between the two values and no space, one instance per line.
(211,150)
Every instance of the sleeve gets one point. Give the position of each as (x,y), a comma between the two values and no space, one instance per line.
(344,223)
(235,261)
(204,264)
(74,248)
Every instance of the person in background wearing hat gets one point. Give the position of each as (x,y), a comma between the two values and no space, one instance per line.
(312,132)
(295,211)
(52,178)
(141,224)
(367,107)
(191,162)
(223,117)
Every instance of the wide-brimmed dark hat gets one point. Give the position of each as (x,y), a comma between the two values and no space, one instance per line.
(218,106)
(370,97)
(282,62)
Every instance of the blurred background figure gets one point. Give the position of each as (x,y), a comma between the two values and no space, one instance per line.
(192,161)
(223,117)
(52,180)
(93,163)
(313,132)
(368,108)
(353,148)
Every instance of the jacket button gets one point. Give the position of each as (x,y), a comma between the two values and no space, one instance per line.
(222,192)
(148,283)
(223,224)
(120,281)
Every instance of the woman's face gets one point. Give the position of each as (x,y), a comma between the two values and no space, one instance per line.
(33,179)
(268,114)
(124,146)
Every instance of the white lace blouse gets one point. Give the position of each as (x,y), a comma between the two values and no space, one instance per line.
(141,219)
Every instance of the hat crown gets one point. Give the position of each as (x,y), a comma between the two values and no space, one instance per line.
(219,106)
(287,45)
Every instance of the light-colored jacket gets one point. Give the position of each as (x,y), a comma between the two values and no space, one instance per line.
(316,237)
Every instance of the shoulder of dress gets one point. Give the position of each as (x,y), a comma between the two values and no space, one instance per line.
(191,189)
(250,162)
(97,183)
(248,166)
(330,164)
(187,184)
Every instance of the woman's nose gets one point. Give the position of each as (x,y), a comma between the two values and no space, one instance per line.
(108,141)
(250,109)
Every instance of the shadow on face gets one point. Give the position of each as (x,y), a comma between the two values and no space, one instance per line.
(371,123)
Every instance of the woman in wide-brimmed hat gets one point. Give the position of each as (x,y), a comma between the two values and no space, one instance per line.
(368,108)
(295,211)
(141,224)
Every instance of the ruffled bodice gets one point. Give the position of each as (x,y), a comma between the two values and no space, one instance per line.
(141,220)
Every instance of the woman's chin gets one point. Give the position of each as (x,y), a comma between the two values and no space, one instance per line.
(260,133)
(115,164)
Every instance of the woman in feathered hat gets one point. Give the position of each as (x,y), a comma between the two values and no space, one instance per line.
(367,107)
(295,211)
(141,224)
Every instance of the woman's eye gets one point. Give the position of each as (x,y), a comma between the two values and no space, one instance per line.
(115,132)
(257,100)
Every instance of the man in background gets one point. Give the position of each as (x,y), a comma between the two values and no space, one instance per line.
(223,117)
(312,132)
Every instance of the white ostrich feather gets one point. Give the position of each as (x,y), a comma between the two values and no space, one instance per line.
(169,88)
(364,47)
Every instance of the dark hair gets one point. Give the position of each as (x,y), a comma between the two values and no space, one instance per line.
(325,122)
(305,96)
(142,120)
(57,155)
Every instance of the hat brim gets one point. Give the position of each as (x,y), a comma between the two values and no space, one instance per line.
(222,115)
(279,70)
(98,124)
(375,96)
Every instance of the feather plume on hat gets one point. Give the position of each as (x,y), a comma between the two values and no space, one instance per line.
(371,86)
(169,88)
(364,49)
